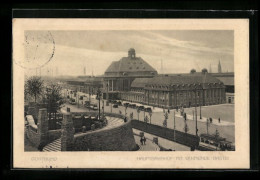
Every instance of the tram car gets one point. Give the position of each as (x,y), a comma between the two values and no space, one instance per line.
(210,142)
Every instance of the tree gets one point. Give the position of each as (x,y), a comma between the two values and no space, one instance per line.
(150,114)
(131,115)
(186,128)
(217,137)
(192,71)
(208,124)
(138,112)
(125,110)
(204,70)
(216,134)
(165,119)
(146,119)
(34,87)
(53,97)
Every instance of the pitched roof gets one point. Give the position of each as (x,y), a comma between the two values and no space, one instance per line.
(229,81)
(140,82)
(183,79)
(113,67)
(127,64)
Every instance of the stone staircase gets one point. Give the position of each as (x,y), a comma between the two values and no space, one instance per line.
(54,146)
(113,122)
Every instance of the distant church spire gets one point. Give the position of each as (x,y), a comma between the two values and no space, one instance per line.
(219,67)
(210,71)
(84,71)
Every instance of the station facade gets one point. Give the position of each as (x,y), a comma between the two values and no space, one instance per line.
(133,79)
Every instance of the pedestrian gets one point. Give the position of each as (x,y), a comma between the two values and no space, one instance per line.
(141,140)
(168,111)
(219,120)
(144,140)
(210,120)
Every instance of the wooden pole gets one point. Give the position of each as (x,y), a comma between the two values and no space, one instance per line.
(174,125)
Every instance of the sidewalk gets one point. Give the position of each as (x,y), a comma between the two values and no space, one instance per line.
(204,120)
(149,145)
(164,142)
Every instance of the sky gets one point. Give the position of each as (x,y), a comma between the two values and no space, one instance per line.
(176,51)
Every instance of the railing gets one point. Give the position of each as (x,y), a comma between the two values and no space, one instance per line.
(87,120)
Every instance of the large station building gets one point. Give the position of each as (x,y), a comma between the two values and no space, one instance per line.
(132,79)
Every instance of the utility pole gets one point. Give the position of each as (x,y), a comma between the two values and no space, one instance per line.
(196,113)
(207,126)
(103,107)
(200,112)
(98,96)
(193,115)
(174,124)
(77,96)
(89,97)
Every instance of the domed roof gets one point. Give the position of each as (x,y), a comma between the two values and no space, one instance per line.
(130,64)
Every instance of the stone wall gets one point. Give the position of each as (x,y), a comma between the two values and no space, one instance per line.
(53,135)
(33,135)
(120,138)
(180,137)
(41,135)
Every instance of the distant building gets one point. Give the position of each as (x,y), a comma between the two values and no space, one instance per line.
(219,67)
(85,84)
(120,74)
(177,90)
(132,79)
(228,80)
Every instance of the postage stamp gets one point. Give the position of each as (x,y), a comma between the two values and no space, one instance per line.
(131,93)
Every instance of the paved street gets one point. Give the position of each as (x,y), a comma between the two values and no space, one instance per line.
(158,118)
(164,142)
(226,127)
(149,145)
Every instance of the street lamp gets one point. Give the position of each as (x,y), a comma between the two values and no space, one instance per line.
(77,97)
(103,107)
(200,112)
(196,113)
(98,97)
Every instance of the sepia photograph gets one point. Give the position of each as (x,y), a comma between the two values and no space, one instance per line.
(120,87)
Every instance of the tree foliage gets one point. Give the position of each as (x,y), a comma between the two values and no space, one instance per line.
(138,111)
(165,119)
(53,96)
(186,128)
(150,114)
(146,119)
(34,87)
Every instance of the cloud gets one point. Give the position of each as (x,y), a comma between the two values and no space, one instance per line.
(95,50)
